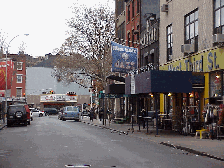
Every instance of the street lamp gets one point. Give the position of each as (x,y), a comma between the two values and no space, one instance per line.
(6,75)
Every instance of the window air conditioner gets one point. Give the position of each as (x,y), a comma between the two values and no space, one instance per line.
(187,48)
(164,8)
(218,38)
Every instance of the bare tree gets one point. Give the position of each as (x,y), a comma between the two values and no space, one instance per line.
(87,50)
(2,43)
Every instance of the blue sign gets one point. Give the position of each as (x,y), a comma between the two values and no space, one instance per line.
(124,58)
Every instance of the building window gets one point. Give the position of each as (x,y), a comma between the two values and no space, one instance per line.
(133,38)
(219,16)
(138,33)
(138,6)
(191,29)
(19,65)
(129,39)
(129,13)
(18,92)
(133,8)
(19,78)
(169,39)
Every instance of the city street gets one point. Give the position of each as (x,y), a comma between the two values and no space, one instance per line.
(49,142)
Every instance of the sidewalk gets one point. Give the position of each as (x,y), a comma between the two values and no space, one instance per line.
(205,147)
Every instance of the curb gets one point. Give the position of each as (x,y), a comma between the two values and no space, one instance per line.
(191,151)
(1,127)
(162,143)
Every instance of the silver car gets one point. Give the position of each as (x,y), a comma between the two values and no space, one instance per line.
(70,113)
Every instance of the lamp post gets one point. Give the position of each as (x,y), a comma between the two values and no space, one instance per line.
(6,75)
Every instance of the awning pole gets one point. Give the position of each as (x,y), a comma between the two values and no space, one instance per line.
(156,114)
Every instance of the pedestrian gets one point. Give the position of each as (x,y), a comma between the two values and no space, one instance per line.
(101,113)
(91,115)
(143,119)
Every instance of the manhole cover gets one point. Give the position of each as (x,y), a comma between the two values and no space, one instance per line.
(78,166)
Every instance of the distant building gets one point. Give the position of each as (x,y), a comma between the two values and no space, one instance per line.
(40,80)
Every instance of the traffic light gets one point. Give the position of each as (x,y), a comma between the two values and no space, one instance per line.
(51,92)
(24,94)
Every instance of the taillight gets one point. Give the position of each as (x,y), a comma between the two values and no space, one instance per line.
(65,113)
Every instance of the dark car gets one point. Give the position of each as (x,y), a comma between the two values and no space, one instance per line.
(17,114)
(50,111)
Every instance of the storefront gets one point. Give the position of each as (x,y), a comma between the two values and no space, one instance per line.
(144,90)
(57,100)
(207,91)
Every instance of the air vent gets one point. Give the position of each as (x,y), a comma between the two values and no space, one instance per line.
(218,38)
(187,48)
(164,8)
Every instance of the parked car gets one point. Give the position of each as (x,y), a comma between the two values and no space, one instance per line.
(85,113)
(37,113)
(70,113)
(17,114)
(50,111)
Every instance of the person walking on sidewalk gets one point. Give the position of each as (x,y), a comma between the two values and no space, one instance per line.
(101,113)
(143,113)
(91,115)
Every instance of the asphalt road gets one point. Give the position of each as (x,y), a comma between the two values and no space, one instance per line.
(49,142)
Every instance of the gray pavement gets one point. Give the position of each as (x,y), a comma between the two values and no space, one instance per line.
(206,147)
(189,144)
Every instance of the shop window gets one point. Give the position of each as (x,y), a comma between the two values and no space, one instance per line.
(169,38)
(218,16)
(19,78)
(191,29)
(215,84)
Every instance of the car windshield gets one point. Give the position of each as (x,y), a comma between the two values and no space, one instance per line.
(72,109)
(14,109)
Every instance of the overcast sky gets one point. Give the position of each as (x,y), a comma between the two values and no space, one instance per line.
(43,20)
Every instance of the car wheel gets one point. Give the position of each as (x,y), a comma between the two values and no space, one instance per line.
(63,119)
(31,118)
(25,123)
(28,122)
(40,115)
